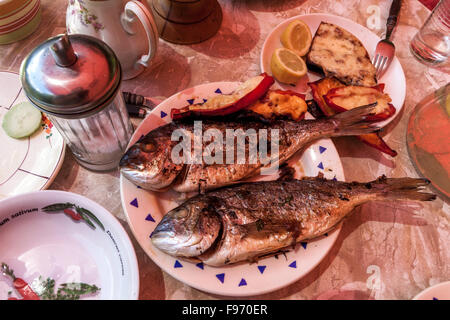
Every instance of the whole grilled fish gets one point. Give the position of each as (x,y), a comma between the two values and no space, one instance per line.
(251,220)
(149,163)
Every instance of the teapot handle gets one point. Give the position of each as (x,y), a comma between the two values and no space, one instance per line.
(135,8)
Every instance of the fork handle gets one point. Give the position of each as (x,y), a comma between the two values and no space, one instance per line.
(392,19)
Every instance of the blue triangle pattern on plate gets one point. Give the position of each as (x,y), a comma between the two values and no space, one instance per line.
(221,277)
(134,203)
(191,101)
(304,244)
(322,149)
(261,269)
(320,166)
(200,265)
(163,114)
(293,264)
(204,100)
(242,283)
(150,218)
(335,179)
(177,264)
(218,91)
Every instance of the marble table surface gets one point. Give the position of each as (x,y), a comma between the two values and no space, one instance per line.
(384,251)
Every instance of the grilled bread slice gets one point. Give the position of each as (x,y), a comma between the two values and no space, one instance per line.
(336,52)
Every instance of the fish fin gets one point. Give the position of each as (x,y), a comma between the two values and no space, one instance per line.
(402,188)
(274,254)
(353,122)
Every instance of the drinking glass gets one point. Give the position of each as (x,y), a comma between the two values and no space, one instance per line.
(431,44)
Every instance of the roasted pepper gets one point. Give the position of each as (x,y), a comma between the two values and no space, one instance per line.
(223,104)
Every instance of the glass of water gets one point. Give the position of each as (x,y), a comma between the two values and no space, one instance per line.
(431,44)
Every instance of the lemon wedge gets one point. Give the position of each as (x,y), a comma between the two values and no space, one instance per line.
(287,66)
(297,37)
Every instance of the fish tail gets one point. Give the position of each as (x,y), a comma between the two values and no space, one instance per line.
(353,122)
(402,188)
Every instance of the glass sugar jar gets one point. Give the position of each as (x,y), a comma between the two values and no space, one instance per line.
(75,80)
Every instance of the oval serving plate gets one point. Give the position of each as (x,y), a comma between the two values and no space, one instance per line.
(144,209)
(53,245)
(439,291)
(32,163)
(393,78)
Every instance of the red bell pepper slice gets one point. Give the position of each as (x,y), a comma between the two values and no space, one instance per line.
(374,140)
(346,98)
(320,88)
(249,92)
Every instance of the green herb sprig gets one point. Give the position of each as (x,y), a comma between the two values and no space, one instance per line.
(84,213)
(66,291)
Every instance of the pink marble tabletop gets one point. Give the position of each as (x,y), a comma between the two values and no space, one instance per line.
(384,251)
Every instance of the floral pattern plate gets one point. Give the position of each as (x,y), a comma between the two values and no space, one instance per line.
(393,78)
(32,163)
(144,209)
(95,250)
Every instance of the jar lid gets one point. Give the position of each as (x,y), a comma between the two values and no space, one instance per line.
(70,74)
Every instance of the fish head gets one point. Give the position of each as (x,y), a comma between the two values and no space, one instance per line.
(148,163)
(188,230)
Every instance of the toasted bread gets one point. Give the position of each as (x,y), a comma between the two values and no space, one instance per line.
(338,53)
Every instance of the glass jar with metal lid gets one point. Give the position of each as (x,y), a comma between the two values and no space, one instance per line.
(75,80)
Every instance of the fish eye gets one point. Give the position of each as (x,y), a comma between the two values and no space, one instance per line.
(148,147)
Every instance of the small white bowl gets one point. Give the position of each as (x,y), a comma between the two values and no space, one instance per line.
(53,245)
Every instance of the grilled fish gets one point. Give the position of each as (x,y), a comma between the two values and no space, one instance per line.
(149,163)
(251,220)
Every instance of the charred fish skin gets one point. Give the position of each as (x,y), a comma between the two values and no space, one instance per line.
(260,218)
(292,137)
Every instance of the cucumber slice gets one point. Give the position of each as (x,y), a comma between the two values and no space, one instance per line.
(22,120)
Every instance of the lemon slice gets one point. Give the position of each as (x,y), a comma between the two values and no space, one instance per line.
(297,37)
(287,66)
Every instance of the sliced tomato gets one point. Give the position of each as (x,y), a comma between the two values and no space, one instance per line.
(223,104)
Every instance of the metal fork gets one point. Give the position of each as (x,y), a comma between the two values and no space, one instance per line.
(385,50)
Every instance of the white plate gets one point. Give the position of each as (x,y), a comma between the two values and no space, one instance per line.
(32,163)
(35,243)
(144,209)
(440,291)
(394,78)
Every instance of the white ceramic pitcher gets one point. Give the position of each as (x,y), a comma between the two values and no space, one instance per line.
(126,26)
